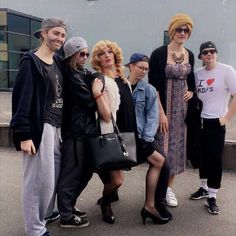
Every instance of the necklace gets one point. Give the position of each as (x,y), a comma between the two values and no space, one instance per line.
(176,59)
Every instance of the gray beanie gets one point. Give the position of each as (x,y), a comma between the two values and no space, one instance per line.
(73,45)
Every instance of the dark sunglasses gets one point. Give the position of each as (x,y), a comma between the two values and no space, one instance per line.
(180,30)
(83,54)
(211,51)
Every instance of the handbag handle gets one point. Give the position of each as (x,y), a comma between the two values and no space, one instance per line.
(117,131)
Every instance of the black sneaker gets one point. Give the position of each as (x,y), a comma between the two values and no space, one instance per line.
(211,205)
(112,198)
(75,221)
(54,216)
(201,193)
(79,213)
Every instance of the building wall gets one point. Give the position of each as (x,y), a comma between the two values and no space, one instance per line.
(138,25)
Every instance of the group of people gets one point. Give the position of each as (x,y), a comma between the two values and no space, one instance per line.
(56,103)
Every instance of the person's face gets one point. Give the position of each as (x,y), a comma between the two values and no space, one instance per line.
(209,55)
(181,34)
(54,37)
(106,57)
(82,57)
(139,69)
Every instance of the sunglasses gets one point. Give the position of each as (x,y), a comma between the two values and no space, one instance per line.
(83,54)
(180,30)
(211,51)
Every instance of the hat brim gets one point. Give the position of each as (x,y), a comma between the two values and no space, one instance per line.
(127,65)
(67,57)
(37,34)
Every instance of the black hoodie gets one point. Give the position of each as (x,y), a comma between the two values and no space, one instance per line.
(29,100)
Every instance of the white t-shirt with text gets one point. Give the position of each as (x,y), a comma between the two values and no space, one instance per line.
(214,88)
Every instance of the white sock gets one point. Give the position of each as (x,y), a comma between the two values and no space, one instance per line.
(212,192)
(203,184)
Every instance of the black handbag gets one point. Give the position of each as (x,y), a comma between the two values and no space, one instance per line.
(112,151)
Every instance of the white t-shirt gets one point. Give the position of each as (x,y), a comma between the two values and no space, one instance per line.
(214,88)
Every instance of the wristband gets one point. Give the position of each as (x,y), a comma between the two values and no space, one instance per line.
(98,96)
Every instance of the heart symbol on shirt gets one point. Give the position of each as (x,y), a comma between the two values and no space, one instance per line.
(210,81)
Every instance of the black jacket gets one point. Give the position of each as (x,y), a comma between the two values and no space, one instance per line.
(79,105)
(29,100)
(157,77)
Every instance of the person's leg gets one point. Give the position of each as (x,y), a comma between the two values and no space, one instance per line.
(202,191)
(72,175)
(160,195)
(112,180)
(52,213)
(149,210)
(156,162)
(38,183)
(216,134)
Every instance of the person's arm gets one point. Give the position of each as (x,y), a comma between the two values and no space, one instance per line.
(230,83)
(231,111)
(156,78)
(102,100)
(190,79)
(163,120)
(152,115)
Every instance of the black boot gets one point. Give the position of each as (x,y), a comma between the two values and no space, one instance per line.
(107,214)
(163,209)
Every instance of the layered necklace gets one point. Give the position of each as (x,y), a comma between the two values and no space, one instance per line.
(177,59)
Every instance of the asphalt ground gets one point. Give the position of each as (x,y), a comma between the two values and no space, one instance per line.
(190,217)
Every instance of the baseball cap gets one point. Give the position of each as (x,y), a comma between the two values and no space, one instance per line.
(73,45)
(136,57)
(205,45)
(50,23)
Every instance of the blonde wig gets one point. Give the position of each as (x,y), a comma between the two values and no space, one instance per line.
(99,47)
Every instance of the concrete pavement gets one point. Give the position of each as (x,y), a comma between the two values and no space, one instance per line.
(190,217)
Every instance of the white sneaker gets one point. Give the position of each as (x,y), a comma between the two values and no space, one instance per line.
(171,199)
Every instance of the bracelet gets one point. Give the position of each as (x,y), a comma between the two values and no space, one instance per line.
(98,96)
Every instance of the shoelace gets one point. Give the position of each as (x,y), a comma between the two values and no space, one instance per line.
(77,220)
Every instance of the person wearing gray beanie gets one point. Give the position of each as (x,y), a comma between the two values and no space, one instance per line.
(83,96)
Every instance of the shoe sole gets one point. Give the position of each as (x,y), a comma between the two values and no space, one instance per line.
(172,205)
(52,219)
(74,226)
(198,198)
(209,210)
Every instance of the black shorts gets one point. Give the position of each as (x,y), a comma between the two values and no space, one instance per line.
(146,149)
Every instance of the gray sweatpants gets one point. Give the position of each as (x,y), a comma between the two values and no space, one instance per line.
(40,174)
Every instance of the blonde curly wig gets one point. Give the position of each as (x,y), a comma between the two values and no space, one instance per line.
(100,46)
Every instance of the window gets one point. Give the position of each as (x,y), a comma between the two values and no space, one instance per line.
(16,37)
(166,37)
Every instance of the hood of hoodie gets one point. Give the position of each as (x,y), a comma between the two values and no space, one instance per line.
(38,63)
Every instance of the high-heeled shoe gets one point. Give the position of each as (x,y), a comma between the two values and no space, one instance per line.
(107,214)
(163,209)
(156,219)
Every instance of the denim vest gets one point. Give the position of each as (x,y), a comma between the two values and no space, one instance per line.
(146,108)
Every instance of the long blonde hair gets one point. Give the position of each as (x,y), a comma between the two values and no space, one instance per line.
(101,45)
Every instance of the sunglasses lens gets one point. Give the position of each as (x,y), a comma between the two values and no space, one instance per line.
(83,54)
(180,30)
(212,51)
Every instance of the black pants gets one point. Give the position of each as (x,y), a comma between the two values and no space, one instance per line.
(212,142)
(76,171)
